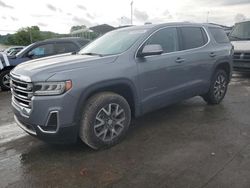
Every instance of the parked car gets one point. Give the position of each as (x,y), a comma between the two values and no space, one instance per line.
(13,50)
(37,50)
(125,73)
(240,37)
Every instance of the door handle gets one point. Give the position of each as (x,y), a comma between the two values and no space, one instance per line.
(212,54)
(179,60)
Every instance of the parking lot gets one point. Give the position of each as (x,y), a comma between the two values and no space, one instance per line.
(189,144)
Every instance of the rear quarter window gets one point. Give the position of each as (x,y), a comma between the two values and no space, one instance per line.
(219,35)
(193,37)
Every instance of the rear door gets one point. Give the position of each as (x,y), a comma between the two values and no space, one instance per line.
(198,58)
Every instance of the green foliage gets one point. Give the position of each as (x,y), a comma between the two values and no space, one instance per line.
(28,35)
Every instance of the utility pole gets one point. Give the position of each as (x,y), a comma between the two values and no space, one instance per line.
(207,16)
(131,4)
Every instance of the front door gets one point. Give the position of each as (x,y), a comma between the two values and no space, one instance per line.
(162,77)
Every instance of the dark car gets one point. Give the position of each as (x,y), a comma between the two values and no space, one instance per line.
(37,50)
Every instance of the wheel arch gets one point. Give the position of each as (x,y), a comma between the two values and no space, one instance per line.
(122,87)
(224,66)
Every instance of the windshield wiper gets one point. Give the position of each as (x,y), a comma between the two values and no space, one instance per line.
(93,54)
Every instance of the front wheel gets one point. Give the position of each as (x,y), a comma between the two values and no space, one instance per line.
(106,119)
(218,88)
(5,80)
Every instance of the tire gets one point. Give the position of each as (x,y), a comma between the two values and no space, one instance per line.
(105,120)
(5,80)
(218,88)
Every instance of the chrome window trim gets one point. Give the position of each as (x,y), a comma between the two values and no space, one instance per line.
(167,53)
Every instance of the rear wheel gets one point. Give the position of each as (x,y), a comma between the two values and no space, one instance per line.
(5,80)
(218,88)
(105,121)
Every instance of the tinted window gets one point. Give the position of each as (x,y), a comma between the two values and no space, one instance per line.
(241,31)
(219,35)
(43,50)
(167,38)
(83,42)
(65,47)
(193,37)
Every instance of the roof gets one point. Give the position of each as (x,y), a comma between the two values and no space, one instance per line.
(243,21)
(156,26)
(64,39)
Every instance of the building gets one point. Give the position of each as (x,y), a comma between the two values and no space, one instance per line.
(92,32)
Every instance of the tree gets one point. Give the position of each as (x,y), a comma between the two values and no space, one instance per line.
(25,36)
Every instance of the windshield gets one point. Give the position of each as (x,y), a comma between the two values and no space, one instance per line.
(114,42)
(241,31)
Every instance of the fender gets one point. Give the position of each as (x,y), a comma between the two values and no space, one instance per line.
(4,61)
(103,86)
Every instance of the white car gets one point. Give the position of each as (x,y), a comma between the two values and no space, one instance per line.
(13,50)
(240,38)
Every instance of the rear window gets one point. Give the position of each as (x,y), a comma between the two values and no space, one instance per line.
(193,37)
(219,35)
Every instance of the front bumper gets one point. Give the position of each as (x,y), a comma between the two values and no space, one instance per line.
(241,66)
(63,135)
(241,61)
(52,118)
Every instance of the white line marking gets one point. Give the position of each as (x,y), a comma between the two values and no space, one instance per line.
(10,132)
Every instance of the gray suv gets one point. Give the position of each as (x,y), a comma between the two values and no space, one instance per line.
(125,73)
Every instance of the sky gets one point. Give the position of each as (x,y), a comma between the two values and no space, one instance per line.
(58,15)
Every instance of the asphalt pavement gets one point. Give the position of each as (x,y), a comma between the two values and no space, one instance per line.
(189,144)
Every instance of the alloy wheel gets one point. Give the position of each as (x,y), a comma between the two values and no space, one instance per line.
(109,122)
(6,80)
(220,87)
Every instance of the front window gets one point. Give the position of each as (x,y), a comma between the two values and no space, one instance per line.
(241,31)
(43,50)
(114,42)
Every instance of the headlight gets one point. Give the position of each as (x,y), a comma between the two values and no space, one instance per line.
(51,88)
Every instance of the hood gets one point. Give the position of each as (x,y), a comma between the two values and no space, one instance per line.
(241,46)
(42,69)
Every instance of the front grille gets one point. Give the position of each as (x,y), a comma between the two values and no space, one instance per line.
(241,57)
(22,92)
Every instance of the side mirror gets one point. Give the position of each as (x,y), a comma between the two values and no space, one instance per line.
(30,55)
(151,49)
